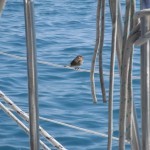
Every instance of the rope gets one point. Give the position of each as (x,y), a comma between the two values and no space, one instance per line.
(112,68)
(97,44)
(124,86)
(130,117)
(58,66)
(77,128)
(142,13)
(20,113)
(26,129)
(119,31)
(26,118)
(80,129)
(134,38)
(126,103)
(100,50)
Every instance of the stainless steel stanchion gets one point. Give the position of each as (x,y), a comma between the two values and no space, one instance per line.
(145,80)
(32,75)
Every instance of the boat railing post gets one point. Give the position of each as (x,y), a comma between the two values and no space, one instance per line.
(145,80)
(32,74)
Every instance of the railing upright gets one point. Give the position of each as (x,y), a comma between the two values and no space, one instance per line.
(145,80)
(32,74)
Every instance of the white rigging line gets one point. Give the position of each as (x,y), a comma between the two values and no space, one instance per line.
(79,128)
(20,123)
(21,113)
(25,117)
(57,65)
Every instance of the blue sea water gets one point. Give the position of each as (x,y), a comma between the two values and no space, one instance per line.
(64,29)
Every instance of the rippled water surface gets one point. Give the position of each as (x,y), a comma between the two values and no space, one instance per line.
(64,29)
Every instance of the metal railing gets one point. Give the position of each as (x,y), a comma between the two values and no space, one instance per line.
(145,79)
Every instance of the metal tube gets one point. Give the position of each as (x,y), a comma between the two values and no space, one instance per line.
(32,75)
(145,80)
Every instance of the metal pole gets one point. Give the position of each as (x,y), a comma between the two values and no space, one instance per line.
(32,75)
(145,80)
